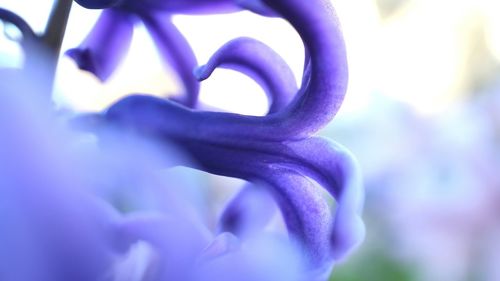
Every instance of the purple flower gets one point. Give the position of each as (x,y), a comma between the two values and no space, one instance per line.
(61,215)
(55,227)
(277,150)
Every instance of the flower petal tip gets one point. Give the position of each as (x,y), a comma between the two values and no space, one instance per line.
(202,73)
(86,61)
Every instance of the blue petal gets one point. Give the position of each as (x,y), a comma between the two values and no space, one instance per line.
(107,44)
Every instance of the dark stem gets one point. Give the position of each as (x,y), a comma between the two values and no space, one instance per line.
(52,39)
(20,23)
(56,26)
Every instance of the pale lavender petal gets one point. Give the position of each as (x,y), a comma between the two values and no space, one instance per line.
(47,222)
(222,244)
(107,44)
(176,241)
(259,259)
(248,212)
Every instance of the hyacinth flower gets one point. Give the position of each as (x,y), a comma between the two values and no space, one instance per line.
(286,163)
(106,45)
(55,228)
(277,150)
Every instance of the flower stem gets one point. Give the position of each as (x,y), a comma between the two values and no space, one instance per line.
(52,38)
(56,25)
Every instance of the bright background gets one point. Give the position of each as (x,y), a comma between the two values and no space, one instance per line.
(422,115)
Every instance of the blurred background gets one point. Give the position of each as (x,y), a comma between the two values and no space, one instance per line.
(422,116)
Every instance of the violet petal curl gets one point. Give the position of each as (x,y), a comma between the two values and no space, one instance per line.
(106,45)
(317,24)
(243,215)
(175,51)
(316,103)
(258,61)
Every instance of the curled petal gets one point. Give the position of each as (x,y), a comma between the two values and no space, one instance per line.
(260,258)
(106,45)
(175,51)
(258,61)
(315,105)
(321,95)
(317,24)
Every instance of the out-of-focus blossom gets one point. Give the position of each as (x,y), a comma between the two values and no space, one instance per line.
(433,186)
(56,227)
